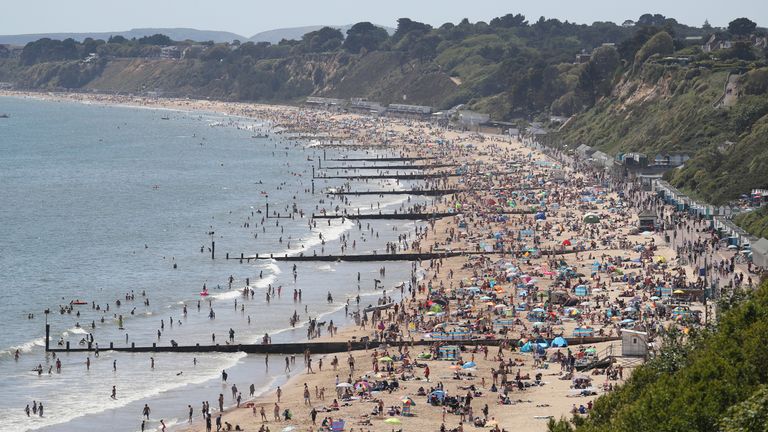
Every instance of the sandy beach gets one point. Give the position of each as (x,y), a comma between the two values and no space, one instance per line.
(565,257)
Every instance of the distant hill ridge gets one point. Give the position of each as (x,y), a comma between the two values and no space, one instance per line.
(276,35)
(179,34)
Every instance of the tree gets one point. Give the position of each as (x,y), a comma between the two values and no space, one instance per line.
(740,50)
(509,21)
(117,39)
(323,40)
(750,415)
(156,39)
(660,43)
(651,20)
(364,35)
(406,26)
(741,27)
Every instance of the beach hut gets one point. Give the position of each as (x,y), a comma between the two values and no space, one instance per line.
(634,343)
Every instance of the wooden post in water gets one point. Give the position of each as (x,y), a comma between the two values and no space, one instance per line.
(213,249)
(313,186)
(47,335)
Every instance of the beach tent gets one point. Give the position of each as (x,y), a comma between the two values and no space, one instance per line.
(591,218)
(559,342)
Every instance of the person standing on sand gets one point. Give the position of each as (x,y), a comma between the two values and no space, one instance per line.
(277,412)
(306,395)
(426,373)
(279,393)
(263,414)
(221,402)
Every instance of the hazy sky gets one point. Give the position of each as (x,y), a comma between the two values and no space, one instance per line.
(247,17)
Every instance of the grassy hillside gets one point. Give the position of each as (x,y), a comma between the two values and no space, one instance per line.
(754,222)
(673,108)
(710,380)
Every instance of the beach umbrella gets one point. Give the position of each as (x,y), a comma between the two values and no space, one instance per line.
(408,400)
(289,429)
(385,359)
(678,292)
(343,385)
(392,421)
(566,242)
(469,364)
(454,367)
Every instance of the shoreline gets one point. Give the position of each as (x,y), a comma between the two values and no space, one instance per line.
(606,256)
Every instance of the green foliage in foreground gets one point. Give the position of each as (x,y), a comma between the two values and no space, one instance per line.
(712,380)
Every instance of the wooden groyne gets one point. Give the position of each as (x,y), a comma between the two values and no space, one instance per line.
(423,176)
(428,192)
(414,256)
(386,167)
(407,256)
(298,348)
(390,216)
(383,159)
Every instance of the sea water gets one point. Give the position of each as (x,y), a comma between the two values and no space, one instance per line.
(98,202)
